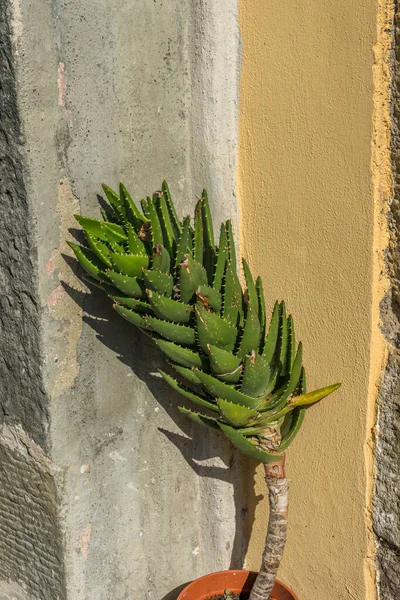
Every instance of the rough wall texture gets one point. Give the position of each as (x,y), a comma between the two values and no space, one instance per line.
(387,491)
(22,397)
(137,91)
(30,543)
(30,540)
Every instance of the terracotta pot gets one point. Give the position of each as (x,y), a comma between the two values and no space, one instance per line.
(236,581)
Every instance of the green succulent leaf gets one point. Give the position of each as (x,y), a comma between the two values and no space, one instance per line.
(291,427)
(131,316)
(250,286)
(232,376)
(192,275)
(213,329)
(248,447)
(188,374)
(276,369)
(304,401)
(161,260)
(131,286)
(291,347)
(231,244)
(180,355)
(171,209)
(198,418)
(144,203)
(101,229)
(129,264)
(283,338)
(303,382)
(222,257)
(186,393)
(113,232)
(132,213)
(136,305)
(89,261)
(180,334)
(222,361)
(207,220)
(208,241)
(261,310)
(108,217)
(116,247)
(165,221)
(162,283)
(185,243)
(156,229)
(251,333)
(198,247)
(236,415)
(272,336)
(105,286)
(101,250)
(208,297)
(219,389)
(169,309)
(136,246)
(116,202)
(224,364)
(232,297)
(283,393)
(311,398)
(256,375)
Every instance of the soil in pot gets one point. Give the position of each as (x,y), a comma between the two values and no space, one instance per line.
(232,596)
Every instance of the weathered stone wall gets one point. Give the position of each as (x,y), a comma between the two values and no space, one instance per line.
(30,541)
(22,397)
(30,537)
(387,490)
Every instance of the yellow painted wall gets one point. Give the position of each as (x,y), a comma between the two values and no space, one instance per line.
(308,227)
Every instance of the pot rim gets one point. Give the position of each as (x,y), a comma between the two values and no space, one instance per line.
(191,587)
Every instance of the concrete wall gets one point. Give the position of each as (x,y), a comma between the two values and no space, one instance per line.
(110,91)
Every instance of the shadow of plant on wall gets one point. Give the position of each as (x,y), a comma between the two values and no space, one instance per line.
(196,444)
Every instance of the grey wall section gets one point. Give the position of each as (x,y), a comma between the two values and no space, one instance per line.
(22,397)
(31,562)
(137,91)
(387,495)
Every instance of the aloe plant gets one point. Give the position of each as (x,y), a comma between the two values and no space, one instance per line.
(169,278)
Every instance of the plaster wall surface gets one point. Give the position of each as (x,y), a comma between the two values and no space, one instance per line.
(138,92)
(307,206)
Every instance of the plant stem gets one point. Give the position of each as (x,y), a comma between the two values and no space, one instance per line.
(278,491)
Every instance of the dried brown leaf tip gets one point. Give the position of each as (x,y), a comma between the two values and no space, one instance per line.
(144,232)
